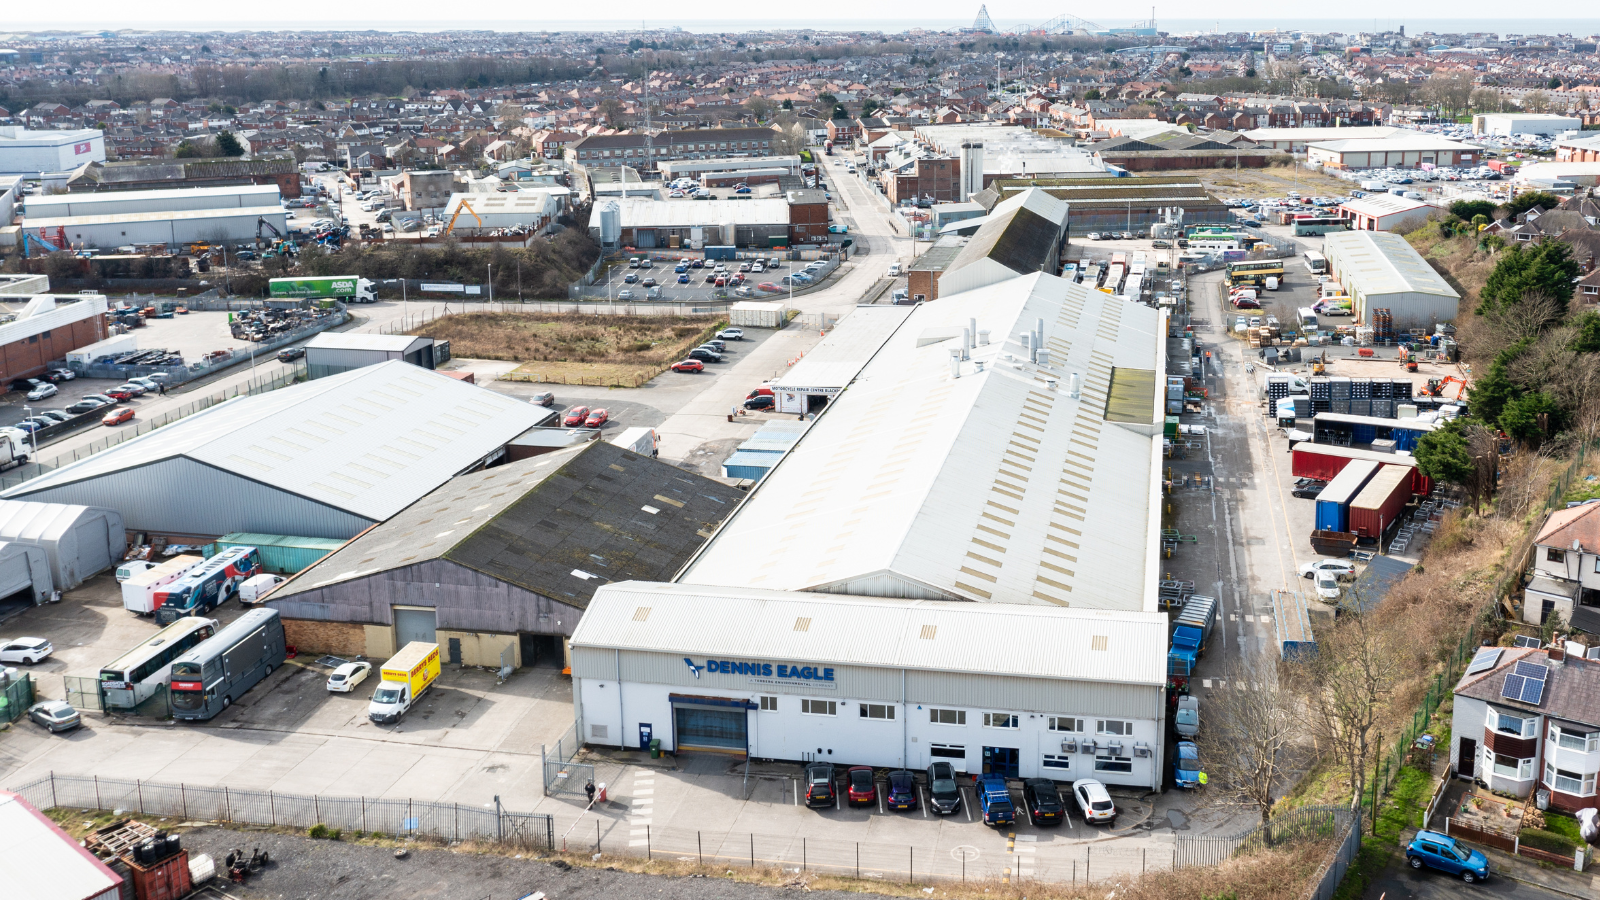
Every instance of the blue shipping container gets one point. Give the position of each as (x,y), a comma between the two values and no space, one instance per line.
(1331,515)
(1333,502)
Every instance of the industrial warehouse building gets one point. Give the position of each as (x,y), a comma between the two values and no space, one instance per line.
(648,224)
(1023,233)
(170,228)
(1405,152)
(25,151)
(333,352)
(1011,690)
(522,549)
(1119,204)
(328,458)
(79,542)
(1508,124)
(1384,212)
(1380,270)
(248,196)
(1010,481)
(47,328)
(824,372)
(534,208)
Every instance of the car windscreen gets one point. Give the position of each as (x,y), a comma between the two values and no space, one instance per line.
(386,695)
(1187,717)
(1189,765)
(944,786)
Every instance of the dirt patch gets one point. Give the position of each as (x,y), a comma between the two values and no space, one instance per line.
(1274,181)
(559,348)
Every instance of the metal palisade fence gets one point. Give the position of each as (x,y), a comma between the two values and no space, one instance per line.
(1293,826)
(372,815)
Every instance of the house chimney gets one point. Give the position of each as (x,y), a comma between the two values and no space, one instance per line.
(1557,653)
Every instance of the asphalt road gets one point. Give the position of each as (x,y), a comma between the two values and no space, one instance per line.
(1401,882)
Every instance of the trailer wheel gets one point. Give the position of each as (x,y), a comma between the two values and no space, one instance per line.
(268,672)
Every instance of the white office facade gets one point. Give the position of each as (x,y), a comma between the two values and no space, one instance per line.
(1016,690)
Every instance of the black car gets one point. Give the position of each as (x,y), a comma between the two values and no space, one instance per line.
(705,355)
(902,790)
(290,354)
(1308,488)
(820,789)
(759,402)
(24,385)
(1043,801)
(944,797)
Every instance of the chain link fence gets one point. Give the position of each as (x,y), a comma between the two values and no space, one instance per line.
(396,817)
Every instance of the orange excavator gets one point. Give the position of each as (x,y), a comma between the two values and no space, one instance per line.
(1436,387)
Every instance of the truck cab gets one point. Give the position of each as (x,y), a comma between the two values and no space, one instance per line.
(994,799)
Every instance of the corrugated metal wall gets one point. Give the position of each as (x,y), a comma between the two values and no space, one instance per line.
(181,496)
(1012,694)
(324,361)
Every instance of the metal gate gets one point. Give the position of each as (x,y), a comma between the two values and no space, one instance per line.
(83,693)
(566,777)
(534,832)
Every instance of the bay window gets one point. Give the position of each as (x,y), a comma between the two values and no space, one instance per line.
(1574,783)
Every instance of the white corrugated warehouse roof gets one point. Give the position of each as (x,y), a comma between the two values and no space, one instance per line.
(41,862)
(1384,263)
(993,486)
(931,635)
(1395,144)
(1380,205)
(840,355)
(647,213)
(272,214)
(369,441)
(1371,132)
(339,340)
(85,203)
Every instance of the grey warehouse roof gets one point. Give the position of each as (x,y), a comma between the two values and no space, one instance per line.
(347,340)
(931,635)
(369,441)
(1383,263)
(561,524)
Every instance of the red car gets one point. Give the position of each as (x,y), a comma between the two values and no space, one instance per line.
(689,365)
(576,415)
(597,418)
(769,286)
(863,789)
(117,417)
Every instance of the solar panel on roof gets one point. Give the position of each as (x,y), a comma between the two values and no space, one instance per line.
(1531,670)
(1512,690)
(1532,691)
(1484,660)
(1523,640)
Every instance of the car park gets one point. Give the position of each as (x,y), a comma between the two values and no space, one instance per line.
(861,788)
(1186,719)
(994,800)
(575,416)
(55,715)
(900,790)
(43,391)
(26,650)
(344,679)
(716,344)
(689,365)
(1445,853)
(820,789)
(944,795)
(1186,766)
(1043,802)
(1339,568)
(1094,802)
(117,416)
(597,418)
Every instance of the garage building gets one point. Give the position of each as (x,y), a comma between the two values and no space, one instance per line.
(498,566)
(1507,124)
(333,352)
(1017,691)
(1380,270)
(328,458)
(79,542)
(1384,212)
(649,224)
(830,366)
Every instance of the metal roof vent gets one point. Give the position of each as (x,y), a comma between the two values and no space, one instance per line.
(802,623)
(642,614)
(1098,642)
(929,632)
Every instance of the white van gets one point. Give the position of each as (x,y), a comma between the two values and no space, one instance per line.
(643,441)
(894,270)
(1272,282)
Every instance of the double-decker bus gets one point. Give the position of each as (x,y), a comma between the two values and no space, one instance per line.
(206,680)
(1310,225)
(1254,271)
(135,676)
(1316,262)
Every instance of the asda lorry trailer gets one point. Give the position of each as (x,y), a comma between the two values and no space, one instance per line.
(347,288)
(405,677)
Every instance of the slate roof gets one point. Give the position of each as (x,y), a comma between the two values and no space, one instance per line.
(561,525)
(1571,692)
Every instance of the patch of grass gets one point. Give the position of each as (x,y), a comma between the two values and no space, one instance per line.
(1402,808)
(1564,825)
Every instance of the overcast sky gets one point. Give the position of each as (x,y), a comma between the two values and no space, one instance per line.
(94,14)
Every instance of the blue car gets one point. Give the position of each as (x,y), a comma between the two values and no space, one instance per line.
(683,279)
(1186,768)
(1445,853)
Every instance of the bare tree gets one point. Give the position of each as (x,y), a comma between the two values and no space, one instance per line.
(1252,737)
(1347,685)
(613,111)
(1536,102)
(760,107)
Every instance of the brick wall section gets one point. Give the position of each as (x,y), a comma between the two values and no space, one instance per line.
(923,282)
(26,358)
(310,636)
(1571,803)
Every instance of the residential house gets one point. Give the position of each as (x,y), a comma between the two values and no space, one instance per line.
(1566,570)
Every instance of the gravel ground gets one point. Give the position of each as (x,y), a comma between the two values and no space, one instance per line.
(306,869)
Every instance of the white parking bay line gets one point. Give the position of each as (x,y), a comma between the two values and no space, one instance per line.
(1205,682)
(638,792)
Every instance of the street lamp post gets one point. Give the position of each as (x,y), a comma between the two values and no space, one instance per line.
(490,267)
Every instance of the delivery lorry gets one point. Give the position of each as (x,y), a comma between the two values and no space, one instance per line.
(643,441)
(346,288)
(1191,628)
(13,449)
(404,678)
(139,591)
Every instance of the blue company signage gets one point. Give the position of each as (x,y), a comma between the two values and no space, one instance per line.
(789,671)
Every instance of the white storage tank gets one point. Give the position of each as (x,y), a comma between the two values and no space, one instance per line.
(78,541)
(610,222)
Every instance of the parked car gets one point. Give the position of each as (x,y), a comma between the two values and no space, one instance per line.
(649,282)
(900,790)
(43,391)
(543,398)
(716,344)
(1186,766)
(1186,721)
(1445,853)
(944,795)
(689,365)
(597,418)
(117,416)
(24,385)
(27,650)
(683,279)
(121,392)
(630,278)
(731,334)
(624,294)
(820,790)
(1328,586)
(345,678)
(575,416)
(55,715)
(290,354)
(54,415)
(133,388)
(1307,488)
(768,286)
(85,405)
(862,788)
(1094,802)
(705,355)
(60,375)
(107,400)
(761,403)
(1043,801)
(1340,568)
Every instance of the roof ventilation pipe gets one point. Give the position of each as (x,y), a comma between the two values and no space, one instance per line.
(955,363)
(983,338)
(1049,384)
(977,366)
(972,326)
(966,343)
(1038,332)
(1073,383)
(1042,356)
(1027,345)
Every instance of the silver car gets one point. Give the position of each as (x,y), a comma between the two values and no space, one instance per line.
(55,715)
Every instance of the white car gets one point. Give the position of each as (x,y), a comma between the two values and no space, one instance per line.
(731,334)
(1093,801)
(43,391)
(27,651)
(1328,586)
(345,678)
(1339,568)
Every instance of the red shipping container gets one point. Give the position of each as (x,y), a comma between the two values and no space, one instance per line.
(166,880)
(1375,508)
(1324,461)
(468,377)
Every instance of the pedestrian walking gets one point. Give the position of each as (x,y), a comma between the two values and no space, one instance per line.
(589,789)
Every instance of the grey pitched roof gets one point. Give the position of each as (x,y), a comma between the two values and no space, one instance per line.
(1021,240)
(1572,689)
(560,524)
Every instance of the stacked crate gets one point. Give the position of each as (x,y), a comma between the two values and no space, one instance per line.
(1321,394)
(1277,389)
(1383,398)
(1361,396)
(1339,393)
(1382,326)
